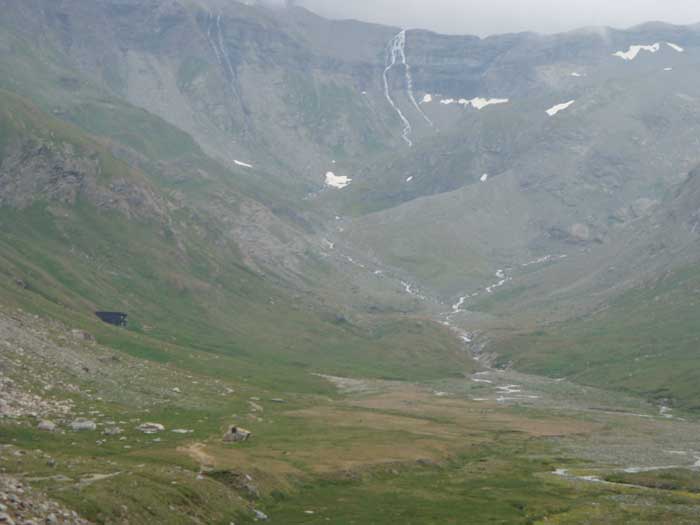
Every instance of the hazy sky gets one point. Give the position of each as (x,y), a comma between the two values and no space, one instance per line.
(485,17)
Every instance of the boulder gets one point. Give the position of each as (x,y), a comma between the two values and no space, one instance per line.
(83,424)
(46,425)
(150,428)
(112,431)
(81,335)
(236,434)
(260,515)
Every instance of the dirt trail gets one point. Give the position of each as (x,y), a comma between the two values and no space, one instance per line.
(196,451)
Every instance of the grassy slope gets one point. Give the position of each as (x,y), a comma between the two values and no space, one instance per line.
(646,342)
(179,287)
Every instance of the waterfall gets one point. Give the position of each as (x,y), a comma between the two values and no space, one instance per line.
(394,48)
(397,54)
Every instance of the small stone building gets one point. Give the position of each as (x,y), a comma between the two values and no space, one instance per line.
(236,434)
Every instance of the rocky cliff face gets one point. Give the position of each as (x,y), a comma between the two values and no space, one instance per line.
(34,171)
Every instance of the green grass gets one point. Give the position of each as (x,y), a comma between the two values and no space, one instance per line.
(646,342)
(184,291)
(670,479)
(498,483)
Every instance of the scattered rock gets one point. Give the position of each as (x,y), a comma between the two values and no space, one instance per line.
(112,431)
(22,506)
(82,335)
(580,232)
(236,434)
(260,515)
(254,407)
(46,426)
(83,424)
(150,428)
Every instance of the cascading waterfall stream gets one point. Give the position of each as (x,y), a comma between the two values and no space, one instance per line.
(396,44)
(222,47)
(409,78)
(215,36)
(397,52)
(211,41)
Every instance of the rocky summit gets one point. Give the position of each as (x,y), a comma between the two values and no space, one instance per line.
(261,265)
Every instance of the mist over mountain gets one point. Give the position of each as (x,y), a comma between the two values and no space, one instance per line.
(257,264)
(508,16)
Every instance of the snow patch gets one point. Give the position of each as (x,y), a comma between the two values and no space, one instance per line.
(427,99)
(633,51)
(668,69)
(675,47)
(409,179)
(481,103)
(477,102)
(337,181)
(243,164)
(484,177)
(559,107)
(577,75)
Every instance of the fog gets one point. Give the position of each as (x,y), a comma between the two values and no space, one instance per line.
(502,16)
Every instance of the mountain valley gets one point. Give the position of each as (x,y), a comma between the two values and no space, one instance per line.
(438,278)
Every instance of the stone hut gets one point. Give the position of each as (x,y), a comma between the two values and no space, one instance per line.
(236,434)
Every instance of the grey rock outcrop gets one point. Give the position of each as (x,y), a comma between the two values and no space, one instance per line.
(46,426)
(82,424)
